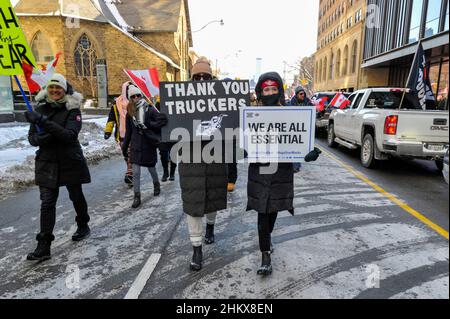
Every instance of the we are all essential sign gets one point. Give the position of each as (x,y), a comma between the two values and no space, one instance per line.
(13,46)
(203,108)
(277,134)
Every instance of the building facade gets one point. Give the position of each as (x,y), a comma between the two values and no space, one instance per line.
(340,38)
(137,35)
(392,35)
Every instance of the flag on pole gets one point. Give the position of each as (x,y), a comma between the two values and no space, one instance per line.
(320,103)
(146,80)
(340,101)
(419,81)
(38,79)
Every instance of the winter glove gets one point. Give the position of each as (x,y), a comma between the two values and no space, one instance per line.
(107,135)
(313,155)
(35,118)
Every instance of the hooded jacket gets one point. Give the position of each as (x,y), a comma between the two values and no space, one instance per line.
(59,160)
(296,102)
(270,193)
(118,115)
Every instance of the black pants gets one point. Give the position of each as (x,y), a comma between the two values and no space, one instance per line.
(165,159)
(232,173)
(266,223)
(49,196)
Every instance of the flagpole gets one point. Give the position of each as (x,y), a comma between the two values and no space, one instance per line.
(26,99)
(409,76)
(141,90)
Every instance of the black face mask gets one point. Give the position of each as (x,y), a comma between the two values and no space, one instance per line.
(271,100)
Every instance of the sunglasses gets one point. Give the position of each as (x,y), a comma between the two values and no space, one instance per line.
(201,76)
(136,96)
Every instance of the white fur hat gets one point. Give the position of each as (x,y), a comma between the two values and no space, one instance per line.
(59,80)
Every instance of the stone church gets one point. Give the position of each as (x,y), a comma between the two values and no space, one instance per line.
(123,34)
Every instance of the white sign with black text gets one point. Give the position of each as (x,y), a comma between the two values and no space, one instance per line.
(277,134)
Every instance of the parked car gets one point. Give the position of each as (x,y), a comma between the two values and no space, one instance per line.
(445,168)
(386,122)
(323,115)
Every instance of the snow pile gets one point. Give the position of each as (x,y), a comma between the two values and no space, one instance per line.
(17,155)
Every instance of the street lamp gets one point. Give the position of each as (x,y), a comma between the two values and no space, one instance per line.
(215,21)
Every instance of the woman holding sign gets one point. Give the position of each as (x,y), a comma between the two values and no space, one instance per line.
(270,192)
(59,159)
(203,187)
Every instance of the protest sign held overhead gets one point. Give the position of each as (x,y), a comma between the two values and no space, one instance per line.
(203,108)
(14,48)
(277,134)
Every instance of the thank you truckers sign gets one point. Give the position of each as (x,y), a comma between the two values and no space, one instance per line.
(204,108)
(14,48)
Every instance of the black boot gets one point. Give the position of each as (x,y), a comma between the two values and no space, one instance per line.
(266,265)
(165,175)
(197,259)
(156,189)
(173,169)
(42,251)
(82,232)
(209,235)
(137,200)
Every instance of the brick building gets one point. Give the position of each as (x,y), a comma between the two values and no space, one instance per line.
(132,34)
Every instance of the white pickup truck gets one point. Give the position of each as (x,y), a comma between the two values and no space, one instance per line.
(375,122)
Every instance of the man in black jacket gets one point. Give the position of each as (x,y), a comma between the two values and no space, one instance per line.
(55,125)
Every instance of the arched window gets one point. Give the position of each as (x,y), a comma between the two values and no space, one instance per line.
(354,56)
(331,73)
(338,63)
(41,48)
(325,65)
(345,66)
(85,57)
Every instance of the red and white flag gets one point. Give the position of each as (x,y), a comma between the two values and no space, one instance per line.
(320,103)
(146,80)
(38,79)
(340,101)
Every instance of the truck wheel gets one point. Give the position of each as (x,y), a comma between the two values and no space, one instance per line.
(368,152)
(440,164)
(331,136)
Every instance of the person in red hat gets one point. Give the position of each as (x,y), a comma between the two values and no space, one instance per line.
(270,193)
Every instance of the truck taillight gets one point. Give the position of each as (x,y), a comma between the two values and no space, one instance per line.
(390,125)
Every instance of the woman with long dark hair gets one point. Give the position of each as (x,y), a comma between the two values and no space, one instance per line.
(143,131)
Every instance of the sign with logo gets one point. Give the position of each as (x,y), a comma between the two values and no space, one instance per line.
(203,108)
(277,134)
(14,48)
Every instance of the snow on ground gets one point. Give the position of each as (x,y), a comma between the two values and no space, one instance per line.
(17,155)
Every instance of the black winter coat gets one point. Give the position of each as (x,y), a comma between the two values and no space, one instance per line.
(203,186)
(143,149)
(270,193)
(59,159)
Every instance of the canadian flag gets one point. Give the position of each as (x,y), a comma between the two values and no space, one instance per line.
(340,101)
(146,80)
(38,79)
(320,103)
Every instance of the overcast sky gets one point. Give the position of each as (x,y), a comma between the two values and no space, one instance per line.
(274,30)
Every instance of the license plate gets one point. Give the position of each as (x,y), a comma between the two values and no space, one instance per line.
(435,147)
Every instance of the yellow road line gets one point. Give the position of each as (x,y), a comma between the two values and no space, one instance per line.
(394,199)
